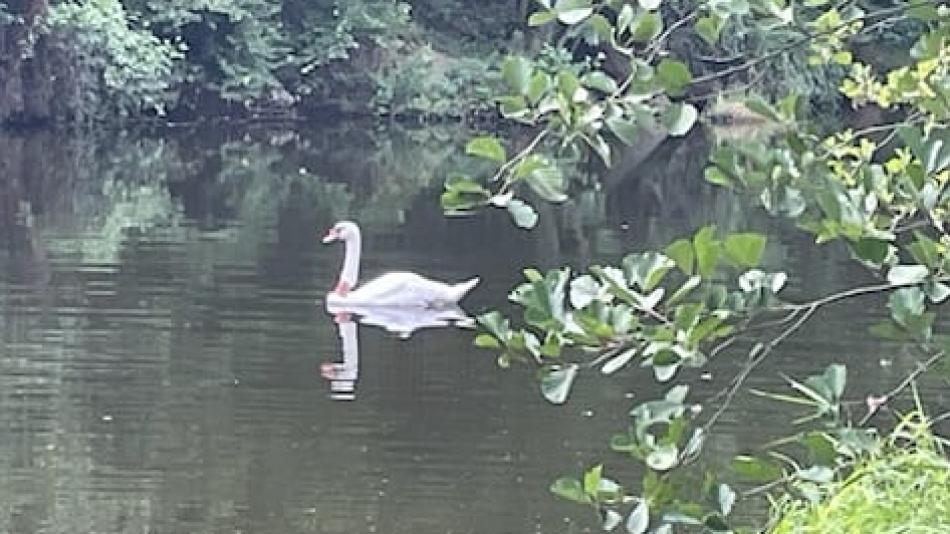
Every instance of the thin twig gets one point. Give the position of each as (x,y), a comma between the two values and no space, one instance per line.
(922,367)
(777,322)
(518,157)
(730,391)
(722,346)
(658,42)
(855,292)
(731,90)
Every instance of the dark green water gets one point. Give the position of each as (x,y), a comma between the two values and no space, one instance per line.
(162,339)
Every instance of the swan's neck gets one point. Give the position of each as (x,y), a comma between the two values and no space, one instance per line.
(351,266)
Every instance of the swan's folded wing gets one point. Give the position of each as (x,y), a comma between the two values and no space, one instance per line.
(404,289)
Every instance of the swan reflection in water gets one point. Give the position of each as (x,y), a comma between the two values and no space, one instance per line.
(399,320)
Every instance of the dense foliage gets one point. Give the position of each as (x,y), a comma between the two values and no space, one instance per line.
(581,81)
(900,486)
(263,56)
(880,191)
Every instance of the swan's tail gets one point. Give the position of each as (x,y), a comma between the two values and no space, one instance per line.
(462,288)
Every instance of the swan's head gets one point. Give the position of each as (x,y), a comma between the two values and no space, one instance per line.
(342,231)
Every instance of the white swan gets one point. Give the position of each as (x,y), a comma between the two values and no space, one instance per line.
(390,289)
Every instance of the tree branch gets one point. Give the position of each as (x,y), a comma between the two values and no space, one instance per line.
(922,367)
(807,38)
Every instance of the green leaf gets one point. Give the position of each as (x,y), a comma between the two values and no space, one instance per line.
(548,183)
(620,361)
(600,146)
(872,251)
(624,18)
(817,473)
(487,341)
(584,290)
(556,384)
(924,250)
(673,75)
(937,292)
(599,80)
(646,269)
(522,213)
(726,497)
(715,176)
(680,118)
(646,25)
(513,107)
(835,376)
(744,249)
(462,193)
(663,458)
(842,57)
(516,71)
(539,84)
(532,275)
(570,489)
(539,18)
(571,12)
(677,394)
(820,447)
(567,83)
(639,520)
(611,520)
(681,252)
(709,28)
(756,468)
(592,480)
(486,147)
(907,274)
(624,129)
(496,324)
(906,304)
(707,251)
(597,29)
(463,184)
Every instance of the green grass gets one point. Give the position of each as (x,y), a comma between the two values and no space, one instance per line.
(904,487)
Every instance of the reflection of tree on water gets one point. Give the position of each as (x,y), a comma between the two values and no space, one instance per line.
(399,320)
(93,196)
(140,273)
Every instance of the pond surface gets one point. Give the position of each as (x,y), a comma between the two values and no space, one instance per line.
(167,365)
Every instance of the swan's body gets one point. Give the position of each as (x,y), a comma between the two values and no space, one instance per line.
(403,289)
(390,289)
